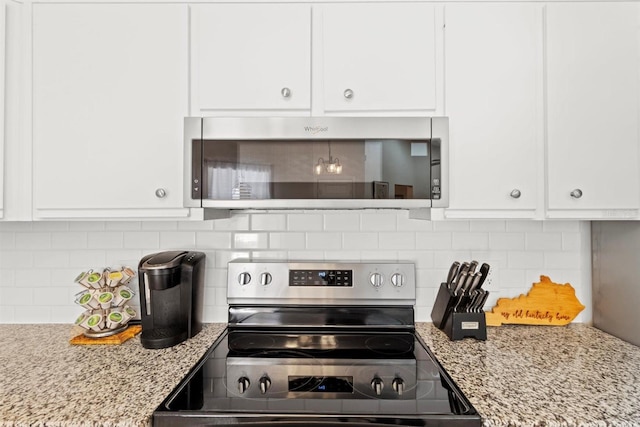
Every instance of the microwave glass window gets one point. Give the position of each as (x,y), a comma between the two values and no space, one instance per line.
(329,169)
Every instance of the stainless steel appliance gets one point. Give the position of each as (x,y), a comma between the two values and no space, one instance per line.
(171,297)
(320,343)
(316,162)
(615,249)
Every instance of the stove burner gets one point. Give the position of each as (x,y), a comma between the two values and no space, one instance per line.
(391,345)
(248,343)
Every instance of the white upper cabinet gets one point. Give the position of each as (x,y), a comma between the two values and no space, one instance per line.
(592,109)
(3,26)
(248,58)
(378,57)
(313,59)
(110,91)
(15,153)
(493,97)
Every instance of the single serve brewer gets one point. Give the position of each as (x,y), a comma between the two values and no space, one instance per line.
(171,297)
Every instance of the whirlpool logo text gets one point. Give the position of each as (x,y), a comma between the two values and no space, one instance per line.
(314,130)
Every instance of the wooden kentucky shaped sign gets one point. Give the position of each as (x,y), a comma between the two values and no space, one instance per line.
(547,303)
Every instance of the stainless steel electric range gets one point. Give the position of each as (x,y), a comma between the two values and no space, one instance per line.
(318,343)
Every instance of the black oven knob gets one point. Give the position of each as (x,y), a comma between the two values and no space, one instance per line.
(377,385)
(265,384)
(243,384)
(398,385)
(244,278)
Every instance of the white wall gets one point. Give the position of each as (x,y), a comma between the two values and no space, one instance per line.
(39,260)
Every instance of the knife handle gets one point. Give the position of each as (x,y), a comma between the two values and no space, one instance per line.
(462,278)
(464,267)
(453,272)
(476,281)
(484,269)
(472,266)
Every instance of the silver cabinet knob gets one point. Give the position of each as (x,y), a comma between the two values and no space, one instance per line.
(397,280)
(376,279)
(244,278)
(161,193)
(576,194)
(265,384)
(286,92)
(377,385)
(398,385)
(515,193)
(348,93)
(243,384)
(265,279)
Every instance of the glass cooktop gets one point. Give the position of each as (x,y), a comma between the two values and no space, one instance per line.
(289,378)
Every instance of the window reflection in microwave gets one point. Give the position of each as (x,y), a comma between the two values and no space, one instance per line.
(236,170)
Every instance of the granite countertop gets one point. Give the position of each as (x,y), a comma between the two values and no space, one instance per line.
(45,381)
(573,375)
(521,376)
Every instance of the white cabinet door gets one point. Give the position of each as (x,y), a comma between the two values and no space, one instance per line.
(493,97)
(592,109)
(15,155)
(109,99)
(378,57)
(251,58)
(3,26)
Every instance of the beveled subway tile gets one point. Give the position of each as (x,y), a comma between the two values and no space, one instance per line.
(251,240)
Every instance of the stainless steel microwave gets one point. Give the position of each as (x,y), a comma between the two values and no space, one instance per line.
(316,162)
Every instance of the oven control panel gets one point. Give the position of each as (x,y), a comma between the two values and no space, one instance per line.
(309,277)
(321,282)
(394,379)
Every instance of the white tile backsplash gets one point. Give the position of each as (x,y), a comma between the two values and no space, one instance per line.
(435,240)
(507,241)
(399,240)
(213,240)
(33,240)
(359,241)
(342,222)
(50,259)
(69,240)
(470,240)
(137,240)
(547,241)
(251,240)
(305,222)
(38,261)
(269,222)
(109,239)
(324,241)
(287,241)
(383,221)
(178,239)
(487,225)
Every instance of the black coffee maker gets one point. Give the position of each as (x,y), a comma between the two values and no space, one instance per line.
(171,297)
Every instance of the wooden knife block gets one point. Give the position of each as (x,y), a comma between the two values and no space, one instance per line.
(456,325)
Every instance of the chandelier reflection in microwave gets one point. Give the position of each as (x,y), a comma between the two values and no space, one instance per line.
(331,166)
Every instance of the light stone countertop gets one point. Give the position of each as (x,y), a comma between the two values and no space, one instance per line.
(45,381)
(521,376)
(550,376)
